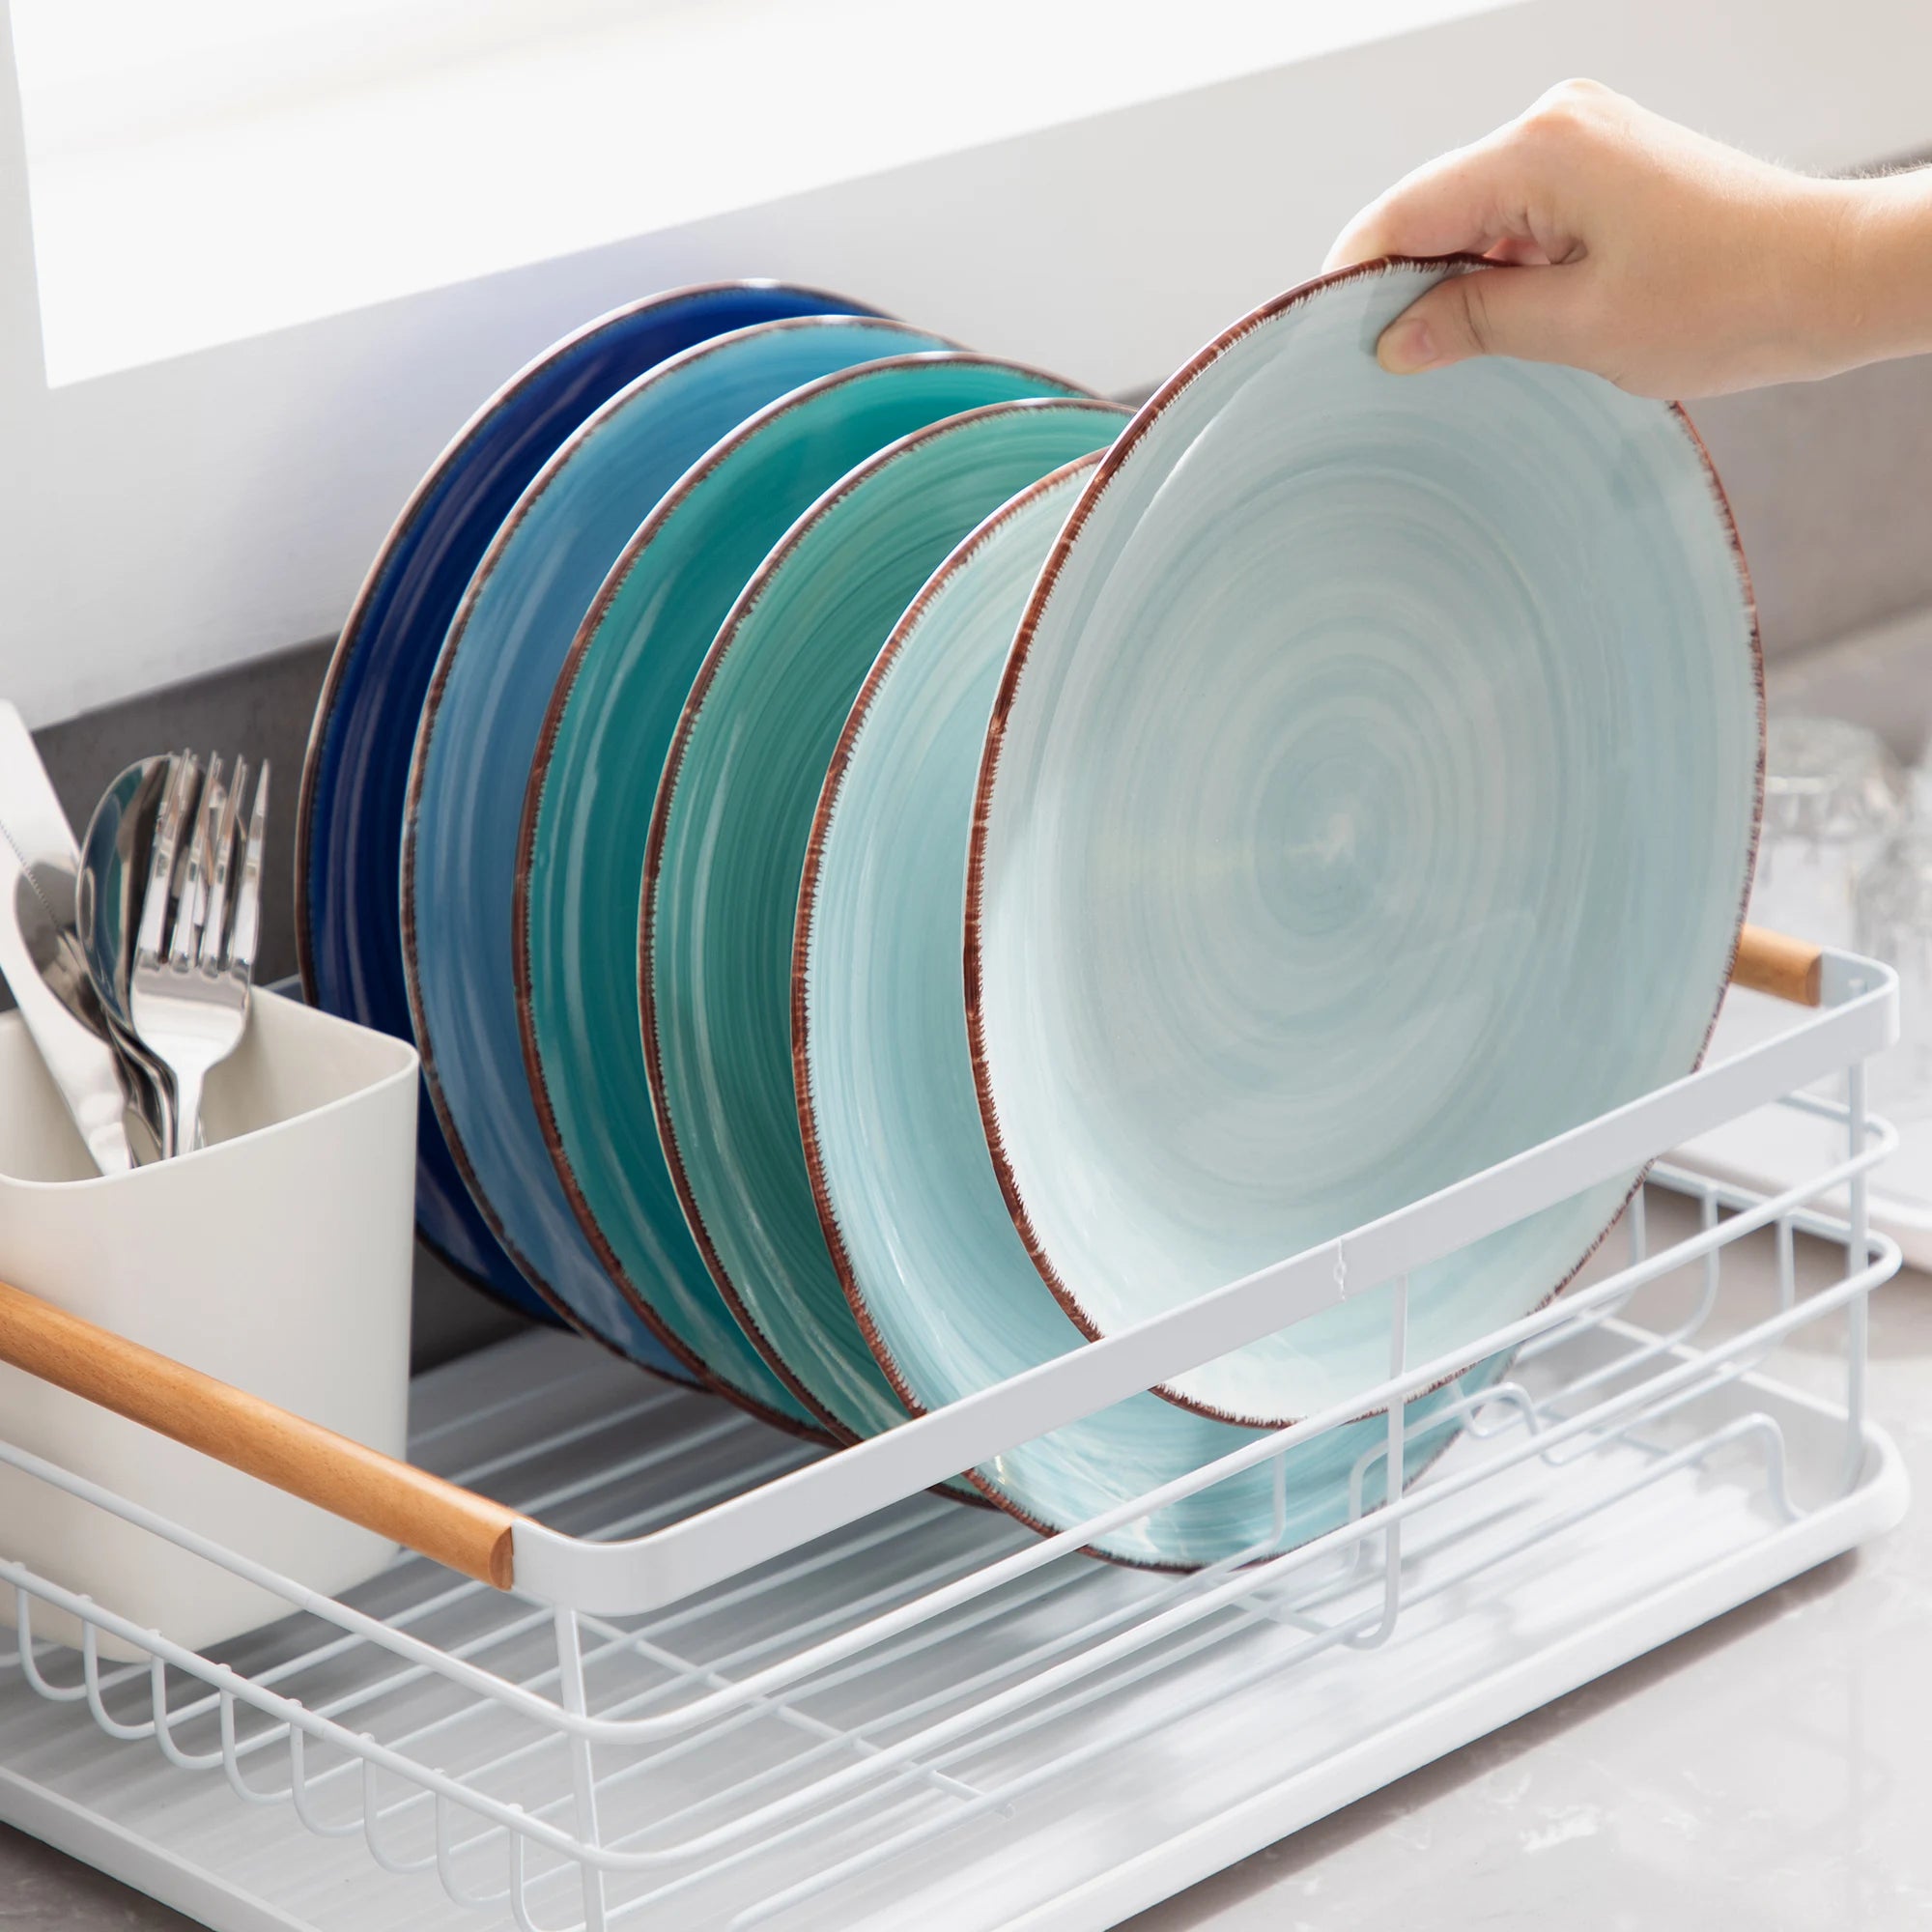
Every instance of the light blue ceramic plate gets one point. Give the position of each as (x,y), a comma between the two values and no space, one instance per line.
(587,812)
(909,1202)
(480,721)
(728,839)
(1371,794)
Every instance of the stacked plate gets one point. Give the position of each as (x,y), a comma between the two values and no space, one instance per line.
(1333,784)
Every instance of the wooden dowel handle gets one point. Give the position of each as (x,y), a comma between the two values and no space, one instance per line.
(1788,969)
(436,1519)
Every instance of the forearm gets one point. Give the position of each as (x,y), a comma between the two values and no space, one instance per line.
(1882,305)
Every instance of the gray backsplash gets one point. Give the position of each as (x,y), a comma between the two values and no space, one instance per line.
(1880,677)
(1828,480)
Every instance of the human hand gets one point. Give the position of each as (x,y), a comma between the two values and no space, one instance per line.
(1653,256)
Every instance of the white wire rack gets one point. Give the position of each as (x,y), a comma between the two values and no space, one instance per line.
(739,1682)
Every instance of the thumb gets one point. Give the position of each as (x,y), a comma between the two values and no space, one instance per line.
(1525,312)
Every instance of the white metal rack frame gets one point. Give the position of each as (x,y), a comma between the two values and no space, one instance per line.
(738,1681)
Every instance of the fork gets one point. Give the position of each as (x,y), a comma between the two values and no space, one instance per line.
(194,950)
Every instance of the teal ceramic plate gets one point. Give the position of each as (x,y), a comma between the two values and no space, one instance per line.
(728,847)
(910,1206)
(610,719)
(479,728)
(1371,794)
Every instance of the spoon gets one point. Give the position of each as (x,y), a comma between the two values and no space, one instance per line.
(113,864)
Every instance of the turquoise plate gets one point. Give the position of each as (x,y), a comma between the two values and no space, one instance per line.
(474,749)
(611,720)
(728,848)
(1371,794)
(911,1207)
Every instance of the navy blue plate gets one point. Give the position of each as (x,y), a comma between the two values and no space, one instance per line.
(349,831)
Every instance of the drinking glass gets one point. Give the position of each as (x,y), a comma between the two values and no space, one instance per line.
(1833,798)
(1893,922)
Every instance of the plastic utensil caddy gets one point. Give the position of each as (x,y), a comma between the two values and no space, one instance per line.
(664,1666)
(276,1258)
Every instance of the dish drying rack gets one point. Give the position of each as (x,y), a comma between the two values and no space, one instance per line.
(675,1670)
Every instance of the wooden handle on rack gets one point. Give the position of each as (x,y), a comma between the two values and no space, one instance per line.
(1787,969)
(397,1501)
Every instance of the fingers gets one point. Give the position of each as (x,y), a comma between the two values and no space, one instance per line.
(1512,195)
(1616,243)
(1456,205)
(1531,313)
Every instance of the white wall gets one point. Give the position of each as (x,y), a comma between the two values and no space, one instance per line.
(171,519)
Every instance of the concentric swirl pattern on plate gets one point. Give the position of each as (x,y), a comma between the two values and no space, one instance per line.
(1372,794)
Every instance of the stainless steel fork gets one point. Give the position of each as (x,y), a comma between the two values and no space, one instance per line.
(194,953)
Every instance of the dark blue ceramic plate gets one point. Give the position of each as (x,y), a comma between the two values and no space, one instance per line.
(349,832)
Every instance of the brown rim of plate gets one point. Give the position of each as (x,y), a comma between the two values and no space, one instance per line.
(545,477)
(547,737)
(348,638)
(969,548)
(1110,467)
(707,672)
(523,986)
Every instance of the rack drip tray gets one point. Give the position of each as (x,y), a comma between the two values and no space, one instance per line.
(1152,1765)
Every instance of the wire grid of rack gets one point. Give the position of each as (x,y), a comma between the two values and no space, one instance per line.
(740,1682)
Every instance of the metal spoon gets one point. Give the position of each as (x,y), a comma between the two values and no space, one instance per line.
(108,905)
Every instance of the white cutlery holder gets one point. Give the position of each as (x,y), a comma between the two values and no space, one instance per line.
(277,1258)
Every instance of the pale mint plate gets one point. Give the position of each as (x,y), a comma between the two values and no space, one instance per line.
(1371,794)
(585,816)
(474,749)
(727,849)
(908,1199)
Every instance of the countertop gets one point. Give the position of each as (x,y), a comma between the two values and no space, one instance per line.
(1769,1770)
